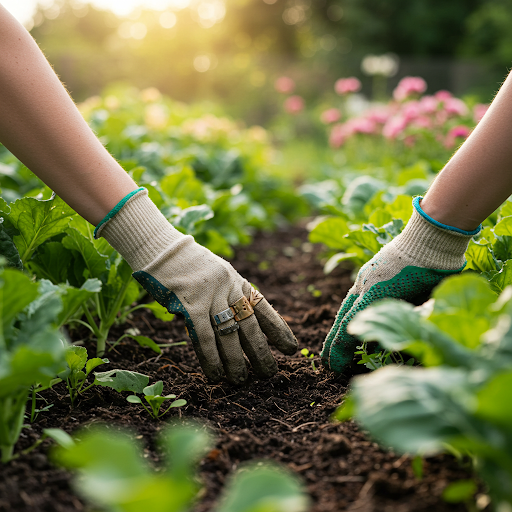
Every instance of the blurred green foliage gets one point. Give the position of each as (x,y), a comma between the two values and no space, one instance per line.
(232,51)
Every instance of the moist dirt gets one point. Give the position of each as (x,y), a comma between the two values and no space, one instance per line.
(285,419)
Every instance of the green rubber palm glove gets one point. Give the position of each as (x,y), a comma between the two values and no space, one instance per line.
(225,316)
(411,264)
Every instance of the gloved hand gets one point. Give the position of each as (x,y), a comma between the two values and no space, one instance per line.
(225,316)
(411,264)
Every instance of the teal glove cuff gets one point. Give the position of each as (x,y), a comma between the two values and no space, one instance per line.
(114,210)
(418,208)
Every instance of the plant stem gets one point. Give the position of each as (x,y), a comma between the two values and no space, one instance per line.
(33,409)
(7,453)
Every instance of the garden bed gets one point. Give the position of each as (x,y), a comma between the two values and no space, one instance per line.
(285,419)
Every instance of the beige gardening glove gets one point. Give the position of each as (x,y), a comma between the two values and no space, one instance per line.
(225,316)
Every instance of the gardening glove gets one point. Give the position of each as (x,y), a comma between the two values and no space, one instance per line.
(224,315)
(411,264)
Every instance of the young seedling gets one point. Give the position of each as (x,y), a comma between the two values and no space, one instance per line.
(75,377)
(309,355)
(153,396)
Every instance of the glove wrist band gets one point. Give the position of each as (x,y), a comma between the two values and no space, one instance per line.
(136,229)
(432,244)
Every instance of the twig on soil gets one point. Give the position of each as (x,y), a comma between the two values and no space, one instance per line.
(151,328)
(234,403)
(282,423)
(282,410)
(303,425)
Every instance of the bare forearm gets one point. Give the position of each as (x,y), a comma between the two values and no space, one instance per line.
(478,178)
(40,124)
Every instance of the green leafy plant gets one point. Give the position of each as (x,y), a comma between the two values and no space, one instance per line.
(464,340)
(153,396)
(75,376)
(113,475)
(31,351)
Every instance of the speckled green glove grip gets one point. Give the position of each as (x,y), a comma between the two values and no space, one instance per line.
(189,280)
(411,264)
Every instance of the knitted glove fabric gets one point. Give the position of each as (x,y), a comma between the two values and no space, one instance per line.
(188,279)
(411,264)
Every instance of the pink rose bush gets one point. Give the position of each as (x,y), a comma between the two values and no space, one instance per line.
(330,116)
(410,118)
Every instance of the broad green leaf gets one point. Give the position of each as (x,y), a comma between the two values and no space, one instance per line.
(95,264)
(330,232)
(366,240)
(144,341)
(360,191)
(159,311)
(217,244)
(189,217)
(401,208)
(60,437)
(155,389)
(183,184)
(8,250)
(178,403)
(134,399)
(52,261)
(502,247)
(122,380)
(415,172)
(406,408)
(263,487)
(94,362)
(492,399)
(504,227)
(457,492)
(462,326)
(397,326)
(38,221)
(479,258)
(465,292)
(335,260)
(76,357)
(185,446)
(380,217)
(16,292)
(503,278)
(506,209)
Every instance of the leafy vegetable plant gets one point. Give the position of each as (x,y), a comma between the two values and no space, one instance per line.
(31,350)
(464,339)
(153,396)
(133,485)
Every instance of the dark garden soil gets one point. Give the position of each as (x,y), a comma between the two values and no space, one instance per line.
(285,419)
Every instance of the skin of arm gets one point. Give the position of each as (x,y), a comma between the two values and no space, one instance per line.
(42,127)
(478,178)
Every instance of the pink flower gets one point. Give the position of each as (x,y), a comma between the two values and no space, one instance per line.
(360,125)
(379,116)
(394,127)
(478,111)
(338,136)
(454,106)
(411,110)
(331,115)
(284,85)
(422,122)
(455,133)
(294,104)
(409,86)
(347,85)
(428,104)
(443,95)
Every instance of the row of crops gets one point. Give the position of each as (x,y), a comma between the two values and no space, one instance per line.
(208,176)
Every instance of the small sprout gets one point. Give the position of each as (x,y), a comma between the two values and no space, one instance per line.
(311,289)
(153,396)
(309,355)
(311,404)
